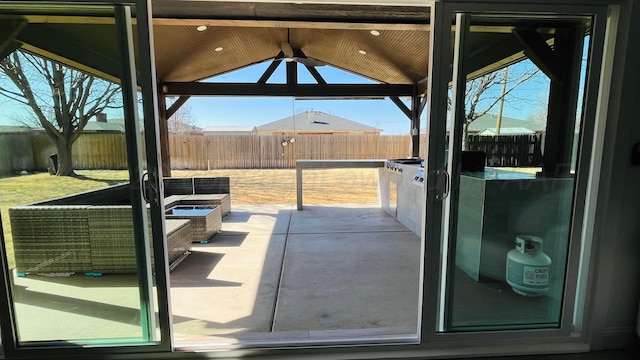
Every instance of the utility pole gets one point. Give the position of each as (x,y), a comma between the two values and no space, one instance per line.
(504,89)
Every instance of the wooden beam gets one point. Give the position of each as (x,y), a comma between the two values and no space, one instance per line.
(563,104)
(316,75)
(295,90)
(415,123)
(8,32)
(423,104)
(55,45)
(9,48)
(65,19)
(539,52)
(292,24)
(176,106)
(292,73)
(494,57)
(163,130)
(69,19)
(404,108)
(423,86)
(270,70)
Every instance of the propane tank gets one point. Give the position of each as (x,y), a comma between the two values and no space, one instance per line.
(528,266)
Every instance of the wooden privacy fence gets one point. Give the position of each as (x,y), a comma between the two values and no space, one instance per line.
(90,151)
(268,151)
(201,152)
(16,152)
(509,150)
(31,150)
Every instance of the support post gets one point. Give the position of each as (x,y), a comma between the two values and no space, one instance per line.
(292,73)
(415,123)
(563,100)
(165,153)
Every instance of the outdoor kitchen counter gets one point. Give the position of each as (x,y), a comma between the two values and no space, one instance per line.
(399,195)
(496,205)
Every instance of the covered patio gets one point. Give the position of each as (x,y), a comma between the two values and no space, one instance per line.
(328,272)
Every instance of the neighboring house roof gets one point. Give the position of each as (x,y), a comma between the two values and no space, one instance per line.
(229,129)
(11,129)
(179,127)
(196,129)
(488,121)
(506,131)
(315,122)
(109,125)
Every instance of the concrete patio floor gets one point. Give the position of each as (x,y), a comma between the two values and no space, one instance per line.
(272,274)
(275,273)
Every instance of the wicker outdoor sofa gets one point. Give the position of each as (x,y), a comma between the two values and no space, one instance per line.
(198,191)
(90,232)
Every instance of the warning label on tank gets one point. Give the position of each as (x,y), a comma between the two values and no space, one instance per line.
(534,275)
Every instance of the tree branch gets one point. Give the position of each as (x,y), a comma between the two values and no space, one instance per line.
(63,99)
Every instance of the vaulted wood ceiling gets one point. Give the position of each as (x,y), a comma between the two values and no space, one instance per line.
(253,32)
(394,56)
(246,33)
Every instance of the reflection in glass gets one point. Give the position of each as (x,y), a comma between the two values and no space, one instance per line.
(69,239)
(516,182)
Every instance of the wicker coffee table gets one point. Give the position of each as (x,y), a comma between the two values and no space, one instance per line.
(223,200)
(206,221)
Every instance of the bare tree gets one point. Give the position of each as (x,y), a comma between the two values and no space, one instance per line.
(62,99)
(483,93)
(541,101)
(182,121)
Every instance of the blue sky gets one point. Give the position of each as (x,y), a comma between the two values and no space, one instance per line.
(256,111)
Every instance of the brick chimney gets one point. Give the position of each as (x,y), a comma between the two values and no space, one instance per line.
(101,117)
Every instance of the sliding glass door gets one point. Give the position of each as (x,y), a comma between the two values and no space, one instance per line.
(84,252)
(510,164)
(78,242)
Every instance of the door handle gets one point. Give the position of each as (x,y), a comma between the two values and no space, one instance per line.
(149,191)
(443,174)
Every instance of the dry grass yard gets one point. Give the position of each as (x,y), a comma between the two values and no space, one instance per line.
(247,187)
(279,186)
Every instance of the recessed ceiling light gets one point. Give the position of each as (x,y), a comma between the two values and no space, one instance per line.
(219,48)
(362,52)
(202,28)
(375,32)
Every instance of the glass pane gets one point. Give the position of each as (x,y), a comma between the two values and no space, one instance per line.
(514,137)
(347,265)
(69,157)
